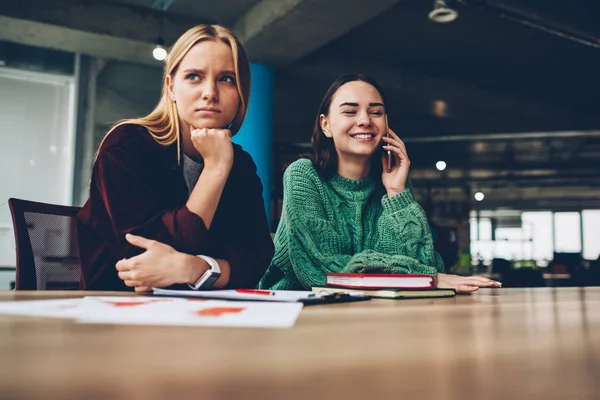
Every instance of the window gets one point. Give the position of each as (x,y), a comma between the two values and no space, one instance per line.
(540,224)
(567,232)
(513,243)
(591,234)
(481,240)
(536,238)
(37,115)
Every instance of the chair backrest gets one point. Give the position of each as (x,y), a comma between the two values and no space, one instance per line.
(46,244)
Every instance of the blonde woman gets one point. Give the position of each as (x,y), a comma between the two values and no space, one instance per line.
(173,183)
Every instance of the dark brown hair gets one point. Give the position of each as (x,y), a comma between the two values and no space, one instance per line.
(323,156)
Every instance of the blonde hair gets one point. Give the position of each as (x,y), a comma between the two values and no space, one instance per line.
(163,121)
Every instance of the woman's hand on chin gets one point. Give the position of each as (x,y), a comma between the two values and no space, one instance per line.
(214,145)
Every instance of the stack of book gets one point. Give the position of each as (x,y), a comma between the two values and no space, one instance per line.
(389,286)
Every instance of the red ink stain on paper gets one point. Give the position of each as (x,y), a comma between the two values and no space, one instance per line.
(133,303)
(219,311)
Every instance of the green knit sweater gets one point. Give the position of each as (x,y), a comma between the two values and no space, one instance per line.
(346,225)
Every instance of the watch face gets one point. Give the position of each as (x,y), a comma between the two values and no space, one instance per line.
(210,280)
(207,280)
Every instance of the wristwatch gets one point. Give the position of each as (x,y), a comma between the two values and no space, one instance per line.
(208,279)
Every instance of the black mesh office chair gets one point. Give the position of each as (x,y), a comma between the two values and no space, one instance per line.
(46,244)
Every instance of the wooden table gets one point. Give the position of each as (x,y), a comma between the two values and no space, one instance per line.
(541,343)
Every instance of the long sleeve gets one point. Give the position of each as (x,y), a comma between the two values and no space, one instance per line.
(135,204)
(402,239)
(138,187)
(316,244)
(248,246)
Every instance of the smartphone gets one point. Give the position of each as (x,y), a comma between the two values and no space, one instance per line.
(388,152)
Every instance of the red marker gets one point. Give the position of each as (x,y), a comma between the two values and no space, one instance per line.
(256,291)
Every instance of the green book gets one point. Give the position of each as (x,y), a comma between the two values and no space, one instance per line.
(390,293)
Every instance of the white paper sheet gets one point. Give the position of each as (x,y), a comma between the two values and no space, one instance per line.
(160,311)
(191,312)
(62,308)
(243,294)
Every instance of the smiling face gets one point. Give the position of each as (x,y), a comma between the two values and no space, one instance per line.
(356,120)
(204,87)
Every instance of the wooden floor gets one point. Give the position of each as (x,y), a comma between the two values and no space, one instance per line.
(541,343)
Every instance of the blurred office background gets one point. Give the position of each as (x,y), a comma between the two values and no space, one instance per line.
(497,102)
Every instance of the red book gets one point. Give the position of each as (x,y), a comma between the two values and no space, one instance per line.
(378,281)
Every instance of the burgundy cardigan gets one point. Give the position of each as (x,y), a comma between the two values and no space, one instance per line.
(137,187)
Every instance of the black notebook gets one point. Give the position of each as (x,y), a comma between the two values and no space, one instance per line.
(389,293)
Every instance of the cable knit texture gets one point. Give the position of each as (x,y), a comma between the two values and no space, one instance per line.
(346,225)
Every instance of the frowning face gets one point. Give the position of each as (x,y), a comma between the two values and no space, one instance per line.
(204,86)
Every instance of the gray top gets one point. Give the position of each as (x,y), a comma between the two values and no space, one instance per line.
(191,172)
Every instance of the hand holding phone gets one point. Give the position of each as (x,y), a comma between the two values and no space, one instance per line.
(396,163)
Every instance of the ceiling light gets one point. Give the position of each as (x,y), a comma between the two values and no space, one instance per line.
(440,165)
(442,12)
(479,196)
(439,108)
(159,52)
